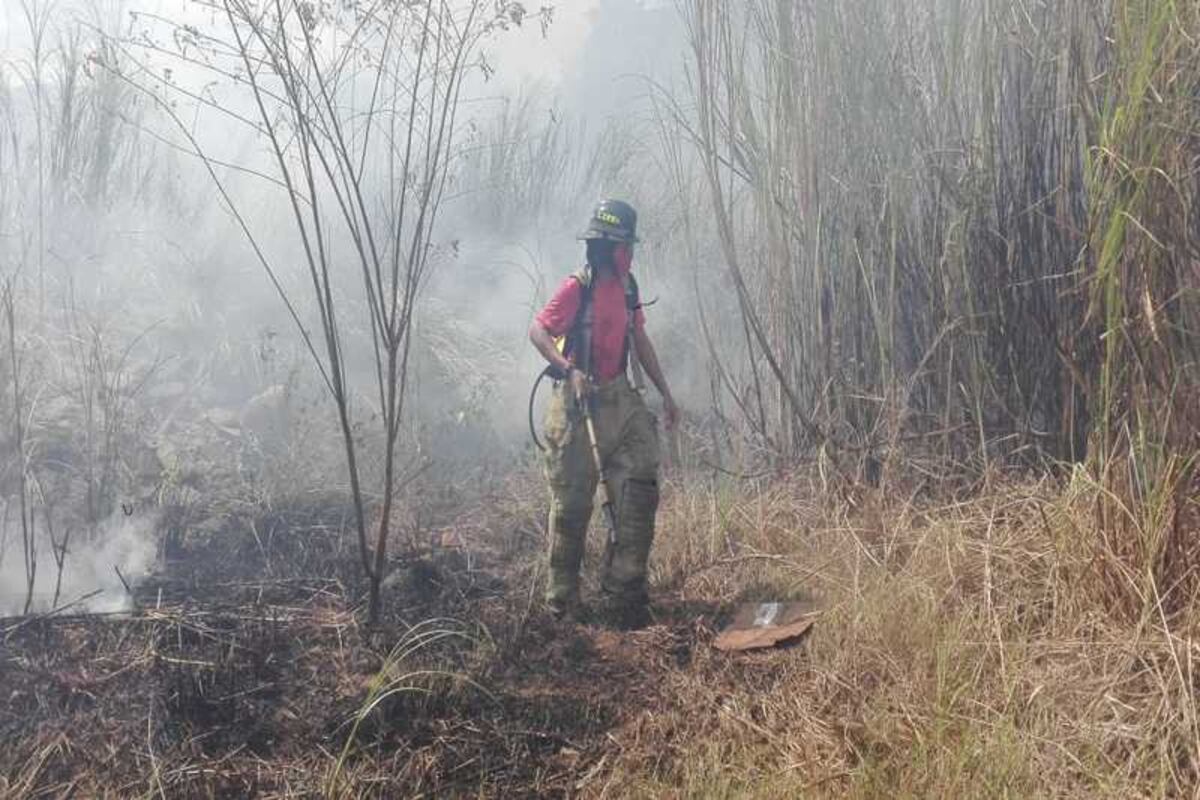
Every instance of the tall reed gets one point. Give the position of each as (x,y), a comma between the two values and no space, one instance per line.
(928,211)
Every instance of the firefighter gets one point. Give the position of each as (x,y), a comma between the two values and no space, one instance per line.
(592,332)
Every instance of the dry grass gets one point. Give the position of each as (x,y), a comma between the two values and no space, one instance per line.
(966,649)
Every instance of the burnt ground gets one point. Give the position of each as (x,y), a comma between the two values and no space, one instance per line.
(244,665)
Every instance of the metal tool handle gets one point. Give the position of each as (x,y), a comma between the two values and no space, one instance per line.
(610,506)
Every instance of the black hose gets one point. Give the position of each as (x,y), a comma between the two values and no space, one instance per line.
(533,396)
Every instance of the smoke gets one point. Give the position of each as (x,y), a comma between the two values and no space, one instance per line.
(89,571)
(543,153)
(129,241)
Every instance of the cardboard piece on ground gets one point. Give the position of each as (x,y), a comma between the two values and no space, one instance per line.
(759,625)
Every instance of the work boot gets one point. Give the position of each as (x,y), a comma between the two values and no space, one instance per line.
(569,609)
(627,613)
(634,617)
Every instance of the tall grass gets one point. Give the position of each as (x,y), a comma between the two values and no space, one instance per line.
(970,232)
(1143,300)
(935,212)
(71,161)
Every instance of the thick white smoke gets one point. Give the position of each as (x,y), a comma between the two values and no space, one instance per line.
(89,571)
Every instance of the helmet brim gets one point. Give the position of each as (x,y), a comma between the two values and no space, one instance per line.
(608,235)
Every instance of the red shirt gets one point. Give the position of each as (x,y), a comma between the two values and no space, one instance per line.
(609,318)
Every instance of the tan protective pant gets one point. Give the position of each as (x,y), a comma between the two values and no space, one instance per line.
(628,438)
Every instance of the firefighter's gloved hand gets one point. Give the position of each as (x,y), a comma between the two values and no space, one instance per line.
(581,387)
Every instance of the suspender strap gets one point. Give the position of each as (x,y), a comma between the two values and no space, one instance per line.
(579,339)
(630,356)
(578,346)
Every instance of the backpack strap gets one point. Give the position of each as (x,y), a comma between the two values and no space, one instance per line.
(578,344)
(629,356)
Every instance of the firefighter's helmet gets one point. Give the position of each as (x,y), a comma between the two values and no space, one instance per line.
(613,220)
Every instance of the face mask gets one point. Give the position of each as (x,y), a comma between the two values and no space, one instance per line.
(623,259)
